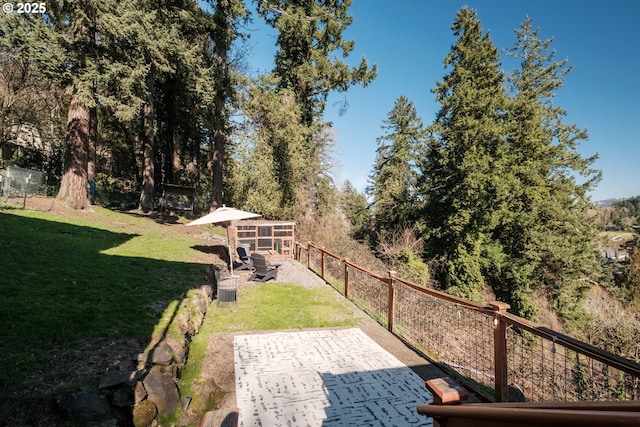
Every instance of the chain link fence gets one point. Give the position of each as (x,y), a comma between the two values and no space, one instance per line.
(19,183)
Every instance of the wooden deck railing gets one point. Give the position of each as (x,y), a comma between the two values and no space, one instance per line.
(503,357)
(534,414)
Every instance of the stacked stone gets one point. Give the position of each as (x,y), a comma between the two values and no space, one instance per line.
(152,388)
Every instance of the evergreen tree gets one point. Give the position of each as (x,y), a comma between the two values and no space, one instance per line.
(75,24)
(306,70)
(463,170)
(309,33)
(356,208)
(547,236)
(227,16)
(100,52)
(275,166)
(394,177)
(169,47)
(629,209)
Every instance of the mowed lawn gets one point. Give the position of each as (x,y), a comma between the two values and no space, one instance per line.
(80,292)
(83,291)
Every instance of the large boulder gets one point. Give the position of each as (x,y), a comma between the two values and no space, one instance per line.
(161,354)
(144,413)
(163,391)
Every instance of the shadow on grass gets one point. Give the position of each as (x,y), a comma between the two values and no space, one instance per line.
(64,301)
(157,216)
(221,251)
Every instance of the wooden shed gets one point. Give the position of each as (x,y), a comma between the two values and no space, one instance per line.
(274,237)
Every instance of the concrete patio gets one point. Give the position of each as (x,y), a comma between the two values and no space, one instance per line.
(334,377)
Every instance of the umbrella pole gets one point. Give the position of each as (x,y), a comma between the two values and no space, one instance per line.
(230,253)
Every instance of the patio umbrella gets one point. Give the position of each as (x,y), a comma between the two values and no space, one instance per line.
(224,215)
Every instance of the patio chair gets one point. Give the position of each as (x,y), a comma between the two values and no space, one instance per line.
(246,263)
(263,272)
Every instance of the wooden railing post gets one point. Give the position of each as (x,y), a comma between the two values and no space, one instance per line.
(322,263)
(346,278)
(391,301)
(500,350)
(308,254)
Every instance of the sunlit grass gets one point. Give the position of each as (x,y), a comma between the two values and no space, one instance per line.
(266,306)
(83,282)
(283,306)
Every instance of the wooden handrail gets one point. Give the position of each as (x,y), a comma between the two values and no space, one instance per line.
(443,295)
(349,263)
(544,415)
(618,405)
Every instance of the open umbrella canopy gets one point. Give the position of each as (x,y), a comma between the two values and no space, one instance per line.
(223,214)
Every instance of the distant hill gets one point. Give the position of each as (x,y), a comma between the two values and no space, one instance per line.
(620,201)
(607,202)
(617,214)
(630,206)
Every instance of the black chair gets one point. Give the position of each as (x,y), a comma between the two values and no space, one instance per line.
(246,263)
(263,272)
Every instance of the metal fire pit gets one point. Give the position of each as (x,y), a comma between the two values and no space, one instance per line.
(227,290)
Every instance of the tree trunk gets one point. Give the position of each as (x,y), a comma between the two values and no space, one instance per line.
(219,138)
(219,141)
(148,172)
(226,13)
(170,109)
(74,188)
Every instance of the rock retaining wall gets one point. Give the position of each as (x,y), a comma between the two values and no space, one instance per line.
(152,388)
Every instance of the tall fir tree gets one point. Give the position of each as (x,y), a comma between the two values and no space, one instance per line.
(227,17)
(355,206)
(76,29)
(309,36)
(548,236)
(169,47)
(270,172)
(394,178)
(307,65)
(463,169)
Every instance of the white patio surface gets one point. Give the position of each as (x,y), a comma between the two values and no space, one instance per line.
(337,377)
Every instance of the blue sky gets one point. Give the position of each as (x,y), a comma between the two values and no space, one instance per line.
(409,39)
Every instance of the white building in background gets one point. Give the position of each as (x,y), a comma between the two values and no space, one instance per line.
(23,136)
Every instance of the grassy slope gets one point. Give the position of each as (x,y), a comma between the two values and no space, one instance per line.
(81,292)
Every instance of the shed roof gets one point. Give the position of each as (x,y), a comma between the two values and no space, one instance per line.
(261,222)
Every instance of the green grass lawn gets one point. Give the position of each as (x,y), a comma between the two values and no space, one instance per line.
(77,289)
(266,306)
(81,291)
(624,235)
(282,306)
